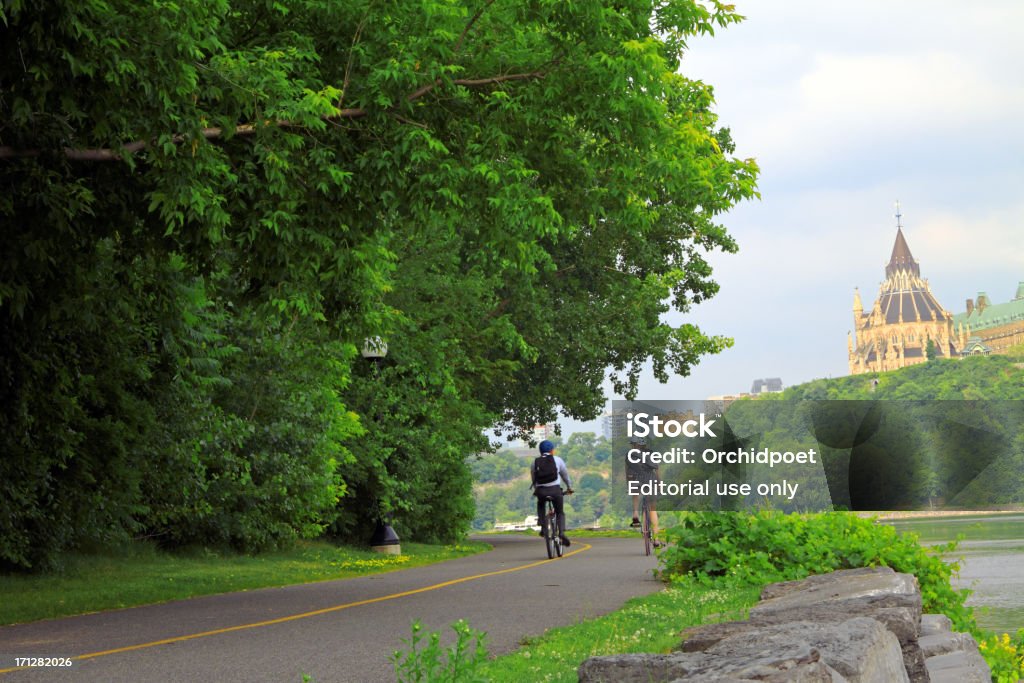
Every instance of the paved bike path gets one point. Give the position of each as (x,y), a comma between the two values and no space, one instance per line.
(338,631)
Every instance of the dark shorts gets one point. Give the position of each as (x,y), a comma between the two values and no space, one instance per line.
(555,493)
(642,474)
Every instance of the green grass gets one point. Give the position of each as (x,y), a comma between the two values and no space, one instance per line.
(575,533)
(606,533)
(139,574)
(647,624)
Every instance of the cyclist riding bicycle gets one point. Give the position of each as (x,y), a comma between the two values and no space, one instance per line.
(643,473)
(547,476)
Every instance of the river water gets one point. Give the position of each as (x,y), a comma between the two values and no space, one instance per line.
(992,562)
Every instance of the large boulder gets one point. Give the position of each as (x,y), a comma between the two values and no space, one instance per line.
(796,662)
(873,586)
(859,650)
(855,625)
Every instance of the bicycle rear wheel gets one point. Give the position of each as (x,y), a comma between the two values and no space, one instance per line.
(645,524)
(551,531)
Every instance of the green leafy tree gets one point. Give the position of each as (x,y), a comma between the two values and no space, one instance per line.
(513,195)
(591,484)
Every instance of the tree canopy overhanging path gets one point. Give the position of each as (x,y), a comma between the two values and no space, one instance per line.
(338,630)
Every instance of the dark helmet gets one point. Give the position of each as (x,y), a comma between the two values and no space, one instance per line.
(546,447)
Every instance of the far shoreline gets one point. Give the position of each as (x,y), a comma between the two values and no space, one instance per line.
(935,514)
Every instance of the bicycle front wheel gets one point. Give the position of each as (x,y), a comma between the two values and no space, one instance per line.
(645,523)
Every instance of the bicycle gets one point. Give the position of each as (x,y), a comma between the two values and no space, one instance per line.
(645,525)
(549,526)
(645,474)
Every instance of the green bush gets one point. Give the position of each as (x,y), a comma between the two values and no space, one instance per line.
(1005,655)
(769,546)
(255,460)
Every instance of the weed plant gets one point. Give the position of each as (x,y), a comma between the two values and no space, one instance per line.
(425,660)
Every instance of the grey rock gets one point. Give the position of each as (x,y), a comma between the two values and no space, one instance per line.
(701,638)
(958,667)
(798,671)
(900,621)
(638,668)
(935,623)
(790,661)
(861,626)
(775,590)
(860,649)
(877,587)
(914,662)
(944,643)
(879,593)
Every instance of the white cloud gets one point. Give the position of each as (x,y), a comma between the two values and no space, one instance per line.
(805,84)
(849,103)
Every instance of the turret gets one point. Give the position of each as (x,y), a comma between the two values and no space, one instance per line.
(901,259)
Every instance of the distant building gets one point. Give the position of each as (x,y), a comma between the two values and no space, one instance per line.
(541,432)
(537,434)
(716,405)
(991,328)
(771,385)
(613,425)
(896,331)
(528,524)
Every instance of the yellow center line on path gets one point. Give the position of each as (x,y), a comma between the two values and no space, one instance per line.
(305,615)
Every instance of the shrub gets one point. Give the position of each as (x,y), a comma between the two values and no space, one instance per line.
(769,546)
(1005,655)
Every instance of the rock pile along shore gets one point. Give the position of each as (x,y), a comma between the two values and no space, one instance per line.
(855,626)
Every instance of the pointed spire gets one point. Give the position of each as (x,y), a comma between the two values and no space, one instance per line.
(858,307)
(901,258)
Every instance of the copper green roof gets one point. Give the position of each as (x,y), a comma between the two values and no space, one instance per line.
(994,315)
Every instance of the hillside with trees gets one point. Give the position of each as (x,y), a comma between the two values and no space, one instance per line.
(937,428)
(990,378)
(507,497)
(941,433)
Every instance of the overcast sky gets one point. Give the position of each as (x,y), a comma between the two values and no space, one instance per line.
(848,107)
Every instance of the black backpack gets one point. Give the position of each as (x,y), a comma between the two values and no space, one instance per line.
(545,471)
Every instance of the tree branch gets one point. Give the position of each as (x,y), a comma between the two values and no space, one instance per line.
(351,52)
(109,154)
(465,31)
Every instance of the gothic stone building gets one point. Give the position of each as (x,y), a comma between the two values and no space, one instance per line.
(895,332)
